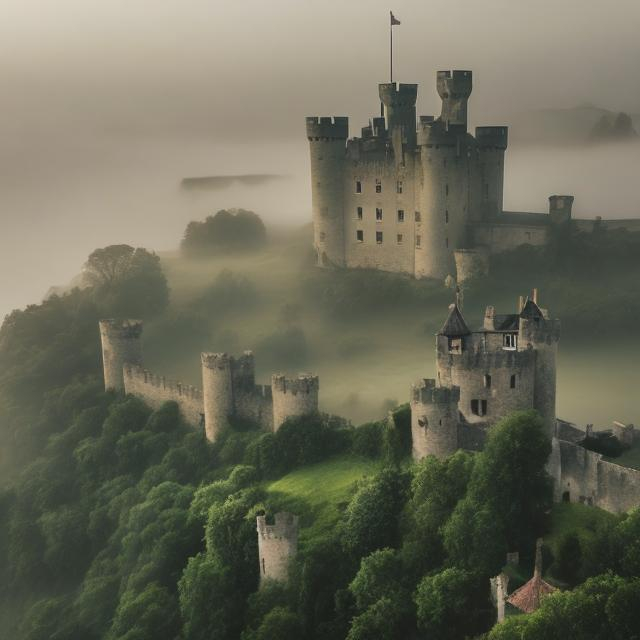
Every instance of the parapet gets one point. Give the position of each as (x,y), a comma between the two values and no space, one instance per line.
(135,373)
(398,95)
(216,360)
(285,526)
(327,128)
(492,137)
(425,391)
(121,328)
(454,84)
(304,383)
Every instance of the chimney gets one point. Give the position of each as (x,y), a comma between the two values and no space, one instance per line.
(489,316)
(520,304)
(537,572)
(534,295)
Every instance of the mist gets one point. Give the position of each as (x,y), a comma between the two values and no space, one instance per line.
(108,106)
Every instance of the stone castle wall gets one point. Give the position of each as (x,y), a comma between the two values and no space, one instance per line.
(156,390)
(506,237)
(293,397)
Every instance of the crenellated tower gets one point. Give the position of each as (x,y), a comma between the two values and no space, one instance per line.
(434,419)
(327,143)
(217,392)
(120,345)
(399,102)
(454,87)
(492,144)
(277,545)
(293,397)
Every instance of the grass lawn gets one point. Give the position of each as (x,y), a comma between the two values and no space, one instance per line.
(318,492)
(567,517)
(630,458)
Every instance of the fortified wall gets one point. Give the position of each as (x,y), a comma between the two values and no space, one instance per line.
(229,390)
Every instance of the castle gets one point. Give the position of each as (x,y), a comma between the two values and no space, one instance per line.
(229,390)
(510,365)
(422,198)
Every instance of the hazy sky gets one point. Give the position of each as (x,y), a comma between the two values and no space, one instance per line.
(106,104)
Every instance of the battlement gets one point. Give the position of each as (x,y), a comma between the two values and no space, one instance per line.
(140,375)
(304,383)
(426,392)
(121,328)
(399,95)
(327,128)
(492,137)
(285,526)
(454,84)
(216,360)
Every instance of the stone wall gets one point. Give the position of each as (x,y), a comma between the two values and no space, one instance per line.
(277,545)
(156,390)
(505,237)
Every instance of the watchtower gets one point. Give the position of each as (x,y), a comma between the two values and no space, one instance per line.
(434,419)
(454,87)
(277,545)
(492,143)
(217,392)
(293,397)
(327,143)
(399,102)
(120,345)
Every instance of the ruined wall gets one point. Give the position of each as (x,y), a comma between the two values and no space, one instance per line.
(120,345)
(293,397)
(277,545)
(156,390)
(585,477)
(471,264)
(505,237)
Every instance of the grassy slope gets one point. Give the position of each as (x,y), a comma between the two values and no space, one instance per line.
(319,491)
(630,458)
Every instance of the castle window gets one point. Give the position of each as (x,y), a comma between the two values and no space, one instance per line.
(360,235)
(399,238)
(399,186)
(446,216)
(378,185)
(358,186)
(446,189)
(264,569)
(418,241)
(479,407)
(359,213)
(378,214)
(510,341)
(400,215)
(379,237)
(455,345)
(418,218)
(487,380)
(512,382)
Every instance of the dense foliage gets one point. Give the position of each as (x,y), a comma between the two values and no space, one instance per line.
(227,230)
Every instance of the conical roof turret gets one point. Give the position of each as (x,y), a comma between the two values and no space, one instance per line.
(455,326)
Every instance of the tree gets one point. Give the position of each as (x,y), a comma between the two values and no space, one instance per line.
(377,622)
(568,558)
(379,576)
(279,624)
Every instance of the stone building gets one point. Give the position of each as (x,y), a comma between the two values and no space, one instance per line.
(421,196)
(229,390)
(509,365)
(277,545)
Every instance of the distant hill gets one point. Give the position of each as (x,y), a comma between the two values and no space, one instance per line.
(562,127)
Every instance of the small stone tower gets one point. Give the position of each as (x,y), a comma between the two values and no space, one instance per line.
(120,345)
(217,392)
(277,544)
(492,143)
(434,419)
(399,102)
(293,397)
(327,143)
(560,209)
(454,87)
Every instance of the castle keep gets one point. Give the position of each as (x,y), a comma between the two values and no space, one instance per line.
(229,390)
(417,197)
(509,365)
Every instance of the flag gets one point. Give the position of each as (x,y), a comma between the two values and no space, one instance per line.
(394,20)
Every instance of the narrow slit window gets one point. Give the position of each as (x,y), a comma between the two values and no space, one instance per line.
(487,380)
(418,218)
(512,382)
(360,235)
(359,213)
(418,241)
(446,216)
(358,186)
(400,215)
(378,214)
(399,186)
(378,185)
(400,238)
(379,237)
(446,190)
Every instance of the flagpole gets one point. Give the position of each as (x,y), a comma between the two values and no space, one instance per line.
(391,49)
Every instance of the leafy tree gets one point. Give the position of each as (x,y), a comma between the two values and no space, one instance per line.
(378,622)
(568,558)
(379,576)
(279,624)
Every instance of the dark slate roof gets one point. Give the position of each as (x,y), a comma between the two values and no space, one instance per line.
(455,325)
(506,322)
(531,310)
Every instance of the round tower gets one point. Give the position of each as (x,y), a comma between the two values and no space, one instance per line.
(327,142)
(217,392)
(454,87)
(293,397)
(442,198)
(120,345)
(471,264)
(434,419)
(277,545)
(492,143)
(399,102)
(542,334)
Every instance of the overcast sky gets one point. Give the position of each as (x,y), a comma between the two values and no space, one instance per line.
(106,104)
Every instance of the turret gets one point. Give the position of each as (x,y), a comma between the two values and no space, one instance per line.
(293,397)
(217,392)
(434,419)
(560,209)
(454,87)
(277,545)
(327,142)
(120,345)
(492,143)
(399,102)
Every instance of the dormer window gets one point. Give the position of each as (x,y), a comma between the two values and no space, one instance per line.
(510,341)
